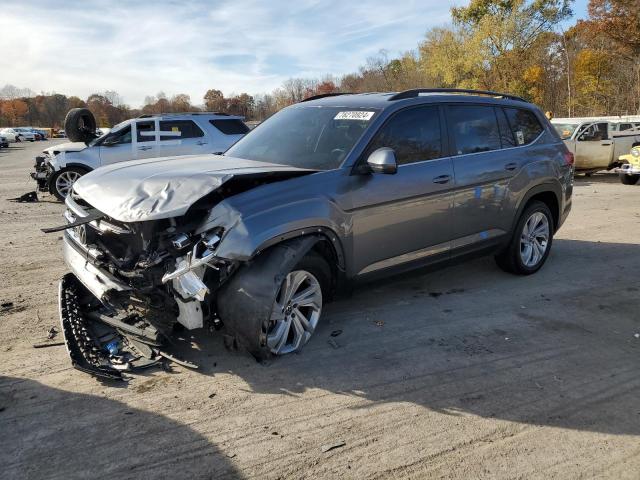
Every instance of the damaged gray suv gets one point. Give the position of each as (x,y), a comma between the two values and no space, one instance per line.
(336,189)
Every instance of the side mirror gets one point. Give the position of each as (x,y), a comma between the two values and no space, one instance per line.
(383,160)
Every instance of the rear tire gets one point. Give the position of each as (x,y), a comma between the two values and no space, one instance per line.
(531,241)
(62,181)
(627,179)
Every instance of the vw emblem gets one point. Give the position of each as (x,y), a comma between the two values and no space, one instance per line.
(81,231)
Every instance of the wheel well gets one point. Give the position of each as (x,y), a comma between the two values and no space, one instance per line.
(551,201)
(327,251)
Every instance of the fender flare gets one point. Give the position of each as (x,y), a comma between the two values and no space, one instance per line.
(553,187)
(322,233)
(78,165)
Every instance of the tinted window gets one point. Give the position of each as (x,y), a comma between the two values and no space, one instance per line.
(526,127)
(146,131)
(180,129)
(474,128)
(625,126)
(413,134)
(230,126)
(506,135)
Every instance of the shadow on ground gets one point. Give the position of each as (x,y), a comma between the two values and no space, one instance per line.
(50,433)
(554,349)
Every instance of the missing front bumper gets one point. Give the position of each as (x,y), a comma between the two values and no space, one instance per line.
(101,342)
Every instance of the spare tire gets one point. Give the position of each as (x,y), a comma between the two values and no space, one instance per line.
(80,125)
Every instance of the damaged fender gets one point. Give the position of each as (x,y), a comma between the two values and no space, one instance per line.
(246,300)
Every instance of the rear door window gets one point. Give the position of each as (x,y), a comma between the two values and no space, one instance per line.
(231,126)
(146,131)
(474,129)
(180,129)
(524,124)
(414,135)
(506,134)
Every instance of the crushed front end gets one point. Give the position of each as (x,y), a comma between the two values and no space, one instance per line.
(131,284)
(42,172)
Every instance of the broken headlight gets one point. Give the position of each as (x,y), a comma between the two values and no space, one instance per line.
(201,254)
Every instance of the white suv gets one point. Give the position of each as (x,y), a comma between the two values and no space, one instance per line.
(164,135)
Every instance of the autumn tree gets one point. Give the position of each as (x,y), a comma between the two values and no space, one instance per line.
(214,101)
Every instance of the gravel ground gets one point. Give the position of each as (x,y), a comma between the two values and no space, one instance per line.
(467,372)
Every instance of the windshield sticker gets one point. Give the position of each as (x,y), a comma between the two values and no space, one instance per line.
(520,137)
(354,115)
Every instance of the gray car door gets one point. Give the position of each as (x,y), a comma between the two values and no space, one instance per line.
(405,216)
(482,171)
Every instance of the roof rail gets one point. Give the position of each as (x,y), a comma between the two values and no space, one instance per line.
(149,115)
(417,91)
(323,95)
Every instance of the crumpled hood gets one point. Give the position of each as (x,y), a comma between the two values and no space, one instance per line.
(158,188)
(66,147)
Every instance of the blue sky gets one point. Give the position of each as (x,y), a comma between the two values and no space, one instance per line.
(140,48)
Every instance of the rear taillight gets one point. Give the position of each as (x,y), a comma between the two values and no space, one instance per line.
(568,158)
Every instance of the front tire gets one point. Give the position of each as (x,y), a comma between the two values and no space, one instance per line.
(62,181)
(627,179)
(531,241)
(298,306)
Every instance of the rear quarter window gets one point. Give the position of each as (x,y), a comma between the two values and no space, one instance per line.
(186,128)
(524,124)
(231,126)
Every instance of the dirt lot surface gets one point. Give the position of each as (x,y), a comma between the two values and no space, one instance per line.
(463,373)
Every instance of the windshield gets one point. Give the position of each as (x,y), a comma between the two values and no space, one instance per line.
(313,137)
(115,129)
(565,130)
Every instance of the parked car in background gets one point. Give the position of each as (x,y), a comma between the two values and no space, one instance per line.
(148,136)
(333,190)
(4,143)
(597,145)
(629,170)
(60,134)
(25,134)
(10,134)
(42,134)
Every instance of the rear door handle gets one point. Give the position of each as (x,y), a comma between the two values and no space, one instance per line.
(442,179)
(511,166)
(606,142)
(201,143)
(145,148)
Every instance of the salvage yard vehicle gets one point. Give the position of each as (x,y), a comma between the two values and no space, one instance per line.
(148,136)
(629,171)
(335,190)
(25,134)
(10,134)
(597,145)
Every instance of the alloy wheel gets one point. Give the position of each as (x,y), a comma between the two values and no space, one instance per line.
(295,313)
(534,239)
(65,181)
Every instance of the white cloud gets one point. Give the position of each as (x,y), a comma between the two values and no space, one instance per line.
(187,47)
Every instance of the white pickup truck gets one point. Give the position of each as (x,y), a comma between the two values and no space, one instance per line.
(597,144)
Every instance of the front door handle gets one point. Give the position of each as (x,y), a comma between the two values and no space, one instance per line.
(145,148)
(511,166)
(606,142)
(201,143)
(442,179)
